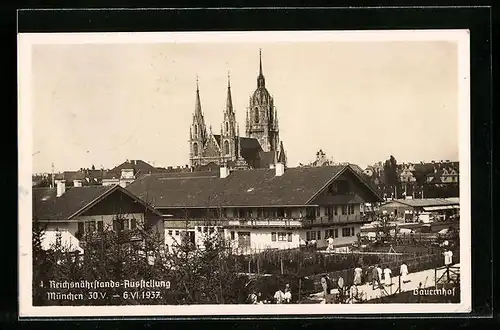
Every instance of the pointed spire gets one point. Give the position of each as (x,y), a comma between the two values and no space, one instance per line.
(197,109)
(260,62)
(229,101)
(261,82)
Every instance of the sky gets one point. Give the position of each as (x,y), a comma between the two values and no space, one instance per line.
(360,102)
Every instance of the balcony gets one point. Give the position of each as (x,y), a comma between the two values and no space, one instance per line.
(336,219)
(265,223)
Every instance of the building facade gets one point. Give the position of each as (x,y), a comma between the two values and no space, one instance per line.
(259,149)
(81,210)
(261,209)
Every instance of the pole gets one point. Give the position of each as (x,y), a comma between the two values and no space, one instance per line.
(281,262)
(53,179)
(300,286)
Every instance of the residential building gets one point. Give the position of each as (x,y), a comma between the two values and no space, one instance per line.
(260,209)
(128,171)
(414,210)
(259,149)
(75,211)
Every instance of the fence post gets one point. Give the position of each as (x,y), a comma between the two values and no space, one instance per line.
(258,265)
(300,287)
(281,262)
(249,269)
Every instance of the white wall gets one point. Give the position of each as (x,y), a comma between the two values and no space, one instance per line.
(340,240)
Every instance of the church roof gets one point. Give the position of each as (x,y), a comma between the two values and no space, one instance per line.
(297,186)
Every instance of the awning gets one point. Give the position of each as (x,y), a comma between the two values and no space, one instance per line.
(440,208)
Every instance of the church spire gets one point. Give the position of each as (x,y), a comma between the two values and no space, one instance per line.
(261,82)
(197,109)
(229,101)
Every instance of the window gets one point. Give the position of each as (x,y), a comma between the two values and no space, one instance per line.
(344,209)
(176,233)
(195,130)
(273,237)
(226,147)
(170,232)
(318,211)
(336,212)
(351,209)
(329,233)
(311,235)
(289,237)
(211,230)
(352,231)
(205,229)
(308,236)
(259,213)
(227,127)
(281,212)
(256,115)
(195,149)
(232,235)
(282,237)
(319,234)
(199,229)
(346,232)
(126,224)
(100,226)
(81,228)
(336,232)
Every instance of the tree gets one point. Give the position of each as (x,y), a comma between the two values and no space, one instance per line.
(391,175)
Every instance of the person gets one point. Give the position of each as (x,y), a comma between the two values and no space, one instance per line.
(387,276)
(278,296)
(375,277)
(340,285)
(324,285)
(330,243)
(252,298)
(448,256)
(403,270)
(353,294)
(357,275)
(287,297)
(380,277)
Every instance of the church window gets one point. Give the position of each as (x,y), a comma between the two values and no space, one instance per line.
(256,115)
(195,130)
(226,147)
(195,148)
(227,127)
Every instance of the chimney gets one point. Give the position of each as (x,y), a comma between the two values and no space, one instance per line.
(61,187)
(77,183)
(224,172)
(280,169)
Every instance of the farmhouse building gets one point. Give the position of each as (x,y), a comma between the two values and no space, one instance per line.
(261,208)
(76,211)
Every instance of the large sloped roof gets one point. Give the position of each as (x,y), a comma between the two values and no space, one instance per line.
(297,186)
(47,206)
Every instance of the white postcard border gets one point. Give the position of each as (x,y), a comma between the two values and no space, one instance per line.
(25,158)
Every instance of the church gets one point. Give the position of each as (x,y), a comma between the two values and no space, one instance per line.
(260,148)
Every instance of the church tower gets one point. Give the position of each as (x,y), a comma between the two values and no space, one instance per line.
(197,132)
(262,121)
(228,134)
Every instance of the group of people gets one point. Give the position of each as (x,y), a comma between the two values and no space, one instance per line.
(280,297)
(343,294)
(381,277)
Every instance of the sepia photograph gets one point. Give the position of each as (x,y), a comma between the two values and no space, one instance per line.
(244,173)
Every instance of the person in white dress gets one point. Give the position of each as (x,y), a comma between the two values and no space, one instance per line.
(387,276)
(357,275)
(279,296)
(330,243)
(287,296)
(448,256)
(403,270)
